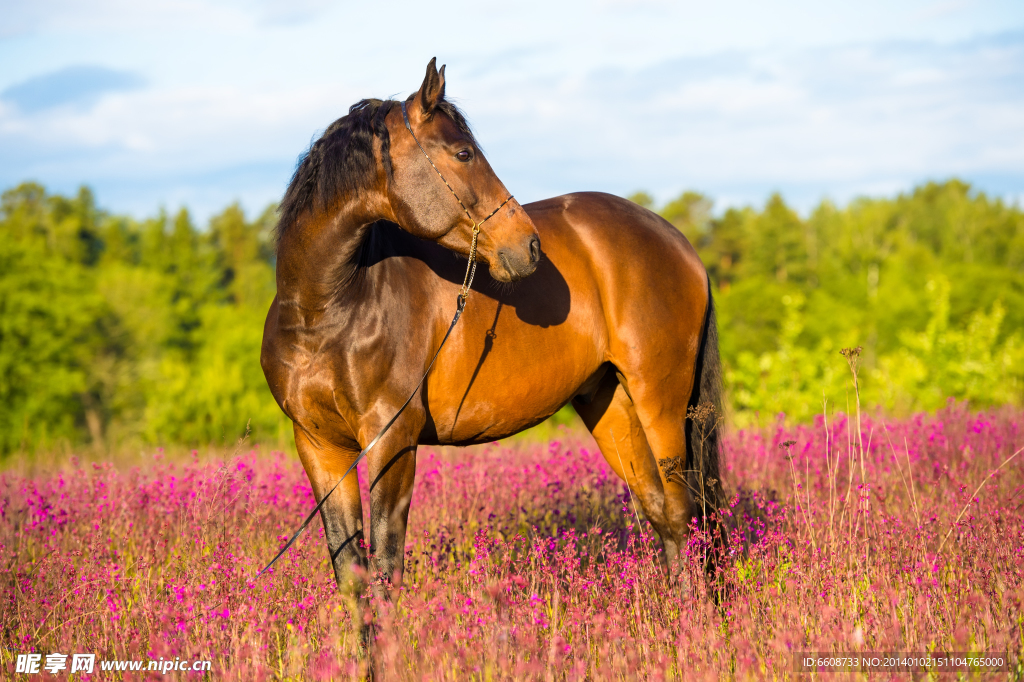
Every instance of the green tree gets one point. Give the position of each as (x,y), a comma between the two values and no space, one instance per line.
(861,276)
(51,319)
(690,212)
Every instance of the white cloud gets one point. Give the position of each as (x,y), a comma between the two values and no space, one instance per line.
(731,98)
(111,15)
(163,15)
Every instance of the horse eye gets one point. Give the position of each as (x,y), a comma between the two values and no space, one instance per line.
(464,155)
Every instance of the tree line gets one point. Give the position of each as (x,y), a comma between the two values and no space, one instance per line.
(930,284)
(115,330)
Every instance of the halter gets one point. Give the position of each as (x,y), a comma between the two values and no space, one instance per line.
(460,305)
(467,281)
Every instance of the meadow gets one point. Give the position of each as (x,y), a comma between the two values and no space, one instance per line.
(529,560)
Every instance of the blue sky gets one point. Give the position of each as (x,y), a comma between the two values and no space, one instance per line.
(201,103)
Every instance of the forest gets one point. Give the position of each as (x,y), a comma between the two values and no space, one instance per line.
(116,331)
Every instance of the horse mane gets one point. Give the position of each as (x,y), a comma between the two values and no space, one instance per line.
(341,160)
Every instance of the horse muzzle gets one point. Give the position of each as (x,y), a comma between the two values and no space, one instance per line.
(515,263)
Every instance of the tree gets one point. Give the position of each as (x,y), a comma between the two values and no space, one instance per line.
(51,319)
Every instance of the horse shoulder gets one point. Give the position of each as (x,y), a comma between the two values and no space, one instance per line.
(305,374)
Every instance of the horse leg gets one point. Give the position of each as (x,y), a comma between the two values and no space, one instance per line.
(613,421)
(688,493)
(392,473)
(342,515)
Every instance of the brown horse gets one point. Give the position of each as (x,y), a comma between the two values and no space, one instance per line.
(615,315)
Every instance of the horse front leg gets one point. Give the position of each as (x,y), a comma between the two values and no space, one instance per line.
(342,517)
(392,472)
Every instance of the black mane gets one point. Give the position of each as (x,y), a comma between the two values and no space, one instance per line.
(341,161)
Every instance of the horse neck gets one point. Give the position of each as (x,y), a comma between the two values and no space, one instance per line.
(318,262)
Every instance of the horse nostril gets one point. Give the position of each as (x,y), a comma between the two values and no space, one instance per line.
(503,257)
(534,250)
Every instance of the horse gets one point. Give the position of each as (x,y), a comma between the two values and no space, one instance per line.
(587,299)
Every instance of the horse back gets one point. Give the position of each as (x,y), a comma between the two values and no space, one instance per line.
(642,265)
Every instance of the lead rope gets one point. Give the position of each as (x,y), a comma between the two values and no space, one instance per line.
(467,281)
(460,305)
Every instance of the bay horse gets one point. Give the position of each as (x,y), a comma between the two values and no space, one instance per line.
(614,315)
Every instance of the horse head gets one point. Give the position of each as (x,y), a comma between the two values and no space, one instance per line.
(441,185)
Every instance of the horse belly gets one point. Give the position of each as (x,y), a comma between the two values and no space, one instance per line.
(510,378)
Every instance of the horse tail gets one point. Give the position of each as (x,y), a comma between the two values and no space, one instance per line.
(704,427)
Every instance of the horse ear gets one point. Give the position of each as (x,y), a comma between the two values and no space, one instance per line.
(432,91)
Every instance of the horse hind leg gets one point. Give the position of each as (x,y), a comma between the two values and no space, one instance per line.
(682,430)
(612,420)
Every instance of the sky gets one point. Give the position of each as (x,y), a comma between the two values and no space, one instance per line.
(201,103)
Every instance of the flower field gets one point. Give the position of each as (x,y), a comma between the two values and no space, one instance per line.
(526,561)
